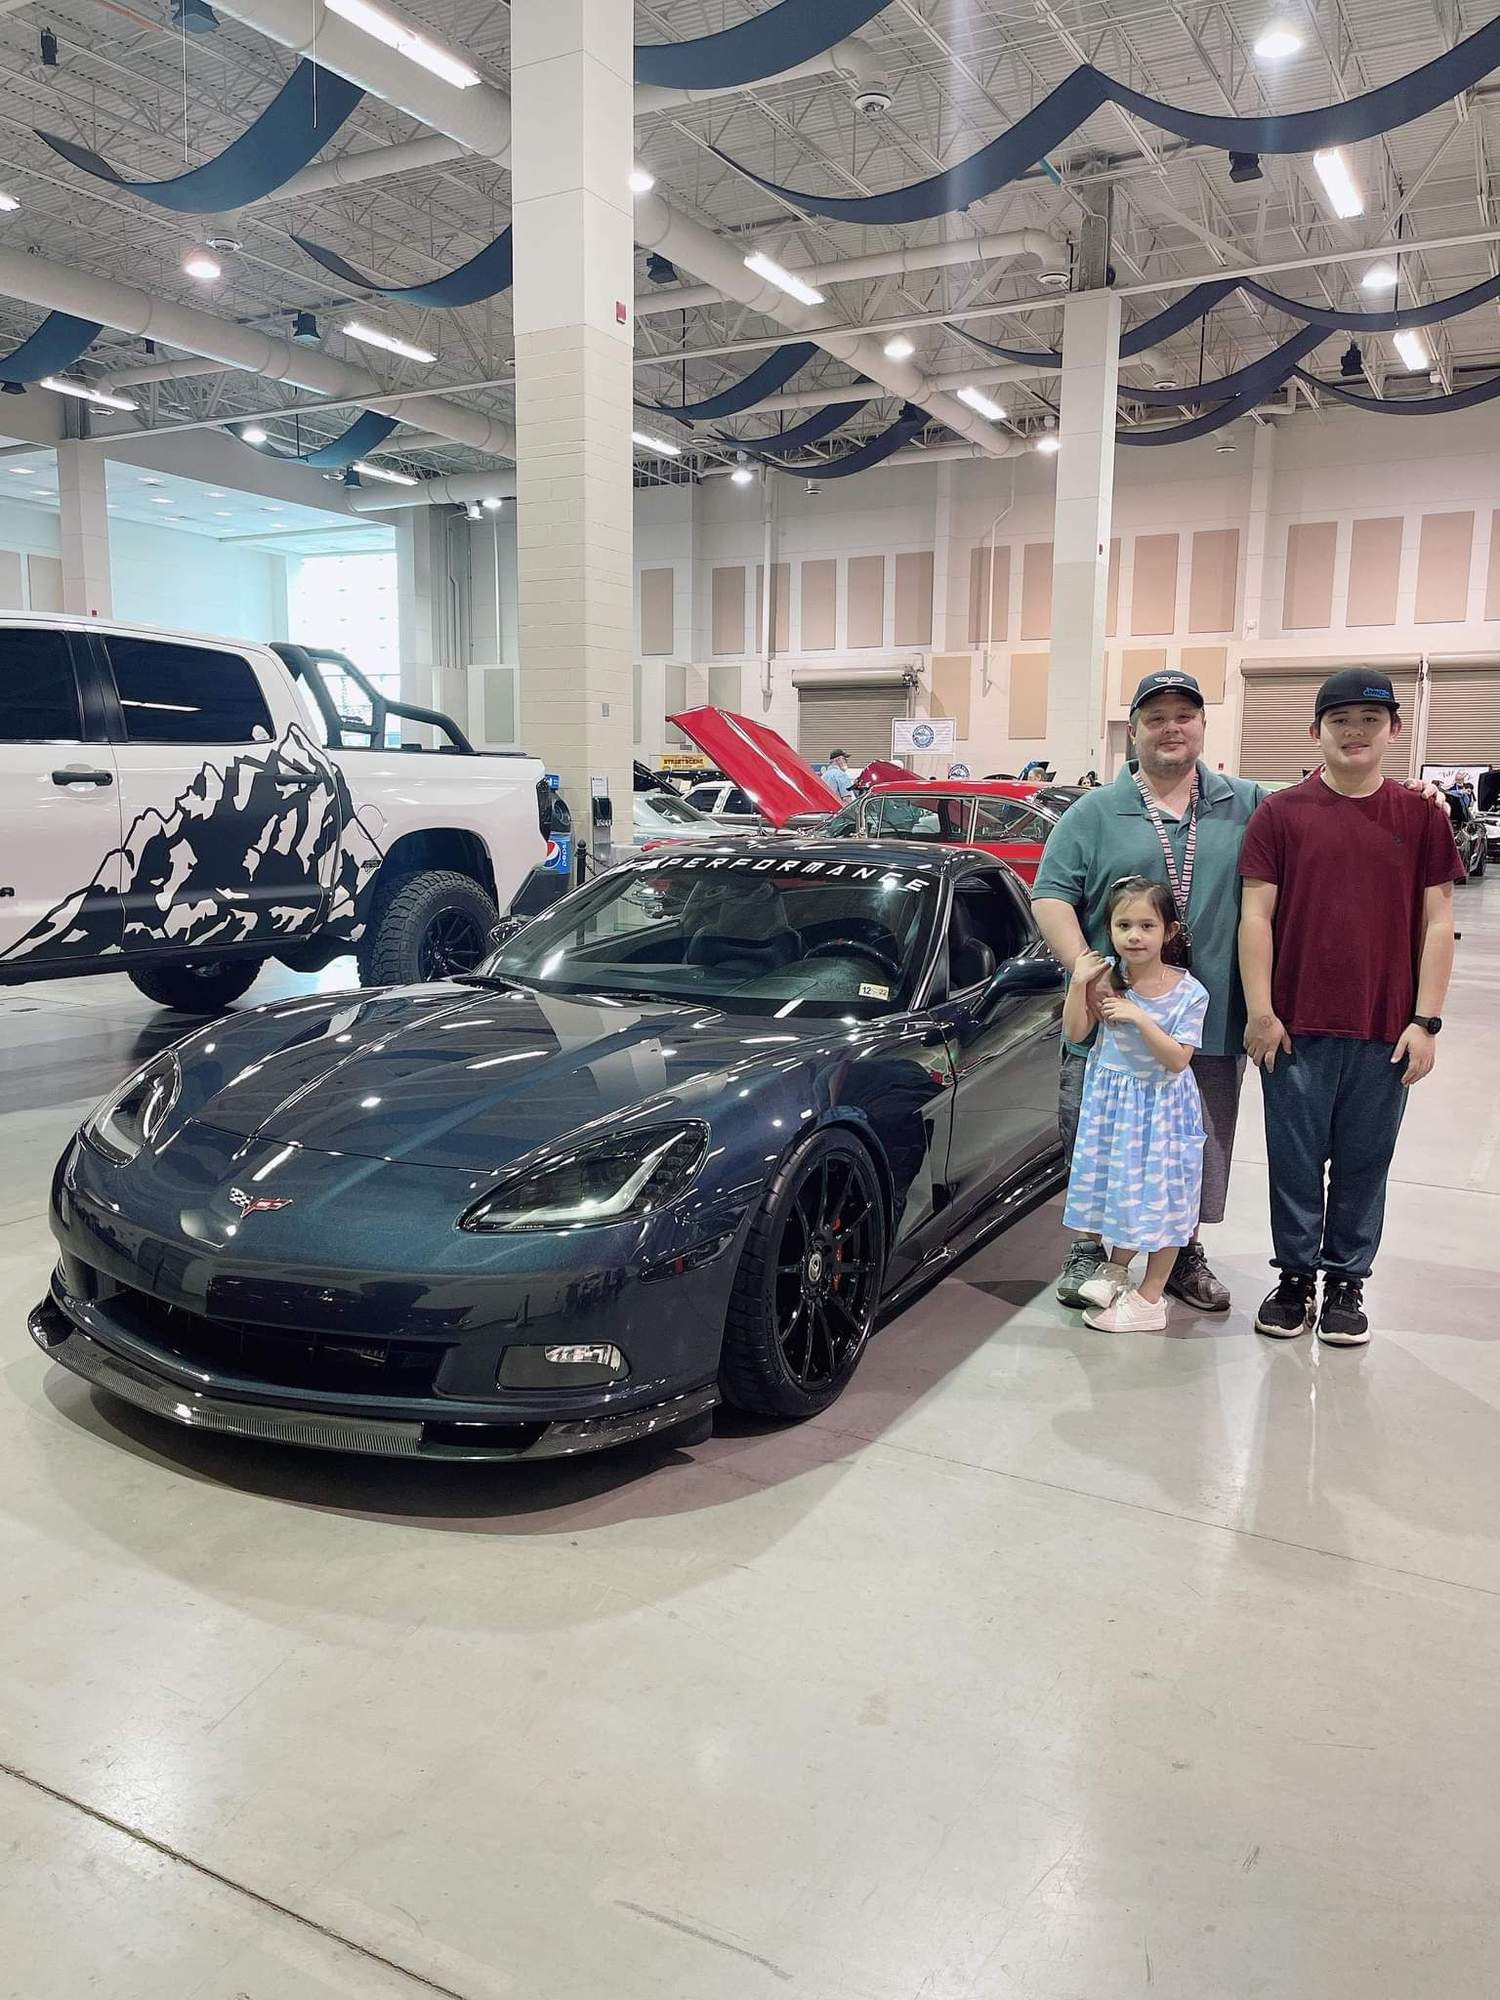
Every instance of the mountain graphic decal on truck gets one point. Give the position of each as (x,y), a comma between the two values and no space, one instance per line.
(268,845)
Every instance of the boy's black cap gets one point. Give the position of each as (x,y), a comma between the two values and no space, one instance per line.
(1166,683)
(1352,687)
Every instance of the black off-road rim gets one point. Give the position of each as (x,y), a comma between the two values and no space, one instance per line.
(452,942)
(827,1280)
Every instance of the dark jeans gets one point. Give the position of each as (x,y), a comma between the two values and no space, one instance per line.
(1333,1108)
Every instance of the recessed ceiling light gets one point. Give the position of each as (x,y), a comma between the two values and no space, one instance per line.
(1276,41)
(641,182)
(406,41)
(1049,443)
(216,493)
(160,500)
(1339,184)
(373,337)
(649,443)
(222,514)
(1413,350)
(1379,278)
(205,268)
(786,281)
(741,475)
(380,472)
(900,348)
(150,479)
(8,204)
(63,387)
(253,434)
(985,405)
(23,472)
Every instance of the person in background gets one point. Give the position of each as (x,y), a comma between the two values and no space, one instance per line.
(1346,949)
(1170,818)
(836,772)
(1089,782)
(1138,1162)
(1036,772)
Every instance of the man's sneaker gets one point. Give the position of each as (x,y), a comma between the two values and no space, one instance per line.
(1084,1260)
(1193,1282)
(1129,1313)
(1343,1322)
(1106,1284)
(1288,1310)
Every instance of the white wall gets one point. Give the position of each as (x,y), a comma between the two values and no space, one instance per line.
(162,576)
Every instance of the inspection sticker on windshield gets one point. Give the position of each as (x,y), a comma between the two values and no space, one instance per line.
(874,992)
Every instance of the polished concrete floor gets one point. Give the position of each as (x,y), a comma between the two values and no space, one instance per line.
(1047,1666)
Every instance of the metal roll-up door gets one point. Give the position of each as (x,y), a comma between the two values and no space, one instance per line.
(1463,716)
(1275,747)
(856,719)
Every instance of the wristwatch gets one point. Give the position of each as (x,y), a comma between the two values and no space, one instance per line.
(1431,1022)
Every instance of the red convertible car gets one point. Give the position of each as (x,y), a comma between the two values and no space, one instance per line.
(1001,816)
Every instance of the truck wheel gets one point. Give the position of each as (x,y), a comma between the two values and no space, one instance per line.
(427,925)
(198,985)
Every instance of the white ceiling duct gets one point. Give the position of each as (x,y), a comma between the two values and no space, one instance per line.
(1050,251)
(853,60)
(161,371)
(374,163)
(38,281)
(458,489)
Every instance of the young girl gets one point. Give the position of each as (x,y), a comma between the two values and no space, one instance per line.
(1138,1164)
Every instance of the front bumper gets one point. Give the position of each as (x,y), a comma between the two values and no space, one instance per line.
(81,1337)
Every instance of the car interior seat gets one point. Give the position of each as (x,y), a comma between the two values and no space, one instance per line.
(738,927)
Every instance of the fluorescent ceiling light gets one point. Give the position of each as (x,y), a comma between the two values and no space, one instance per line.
(648,443)
(216,493)
(787,281)
(1413,350)
(1344,196)
(23,472)
(641,182)
(198,264)
(406,41)
(1277,41)
(492,505)
(222,514)
(1379,278)
(85,394)
(900,349)
(8,204)
(368,471)
(985,405)
(1049,443)
(373,337)
(253,434)
(741,475)
(160,500)
(150,479)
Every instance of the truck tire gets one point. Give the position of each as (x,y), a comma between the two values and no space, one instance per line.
(429,924)
(197,985)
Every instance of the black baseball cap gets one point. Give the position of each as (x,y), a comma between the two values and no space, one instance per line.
(1351,687)
(836,753)
(1167,683)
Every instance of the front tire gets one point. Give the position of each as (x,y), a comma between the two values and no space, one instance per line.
(196,986)
(430,924)
(809,1282)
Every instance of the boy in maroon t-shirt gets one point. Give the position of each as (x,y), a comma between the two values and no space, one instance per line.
(1346,949)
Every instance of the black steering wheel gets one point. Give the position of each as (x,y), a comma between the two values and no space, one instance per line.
(842,947)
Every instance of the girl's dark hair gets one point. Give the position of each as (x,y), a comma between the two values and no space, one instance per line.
(1176,950)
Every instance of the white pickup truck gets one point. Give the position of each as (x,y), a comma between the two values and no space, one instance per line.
(181,809)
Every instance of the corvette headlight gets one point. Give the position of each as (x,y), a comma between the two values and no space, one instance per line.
(132,1117)
(608,1180)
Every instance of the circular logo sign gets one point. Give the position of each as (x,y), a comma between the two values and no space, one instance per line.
(922,736)
(958,771)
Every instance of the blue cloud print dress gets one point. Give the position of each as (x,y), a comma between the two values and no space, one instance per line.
(1138,1162)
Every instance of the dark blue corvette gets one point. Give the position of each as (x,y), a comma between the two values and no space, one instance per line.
(678,1140)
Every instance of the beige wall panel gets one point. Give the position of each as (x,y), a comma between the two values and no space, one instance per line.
(1028,692)
(1307,594)
(1135,663)
(864,609)
(1492,581)
(1112,596)
(1374,571)
(781,606)
(952,681)
(1214,579)
(913,626)
(1153,586)
(728,610)
(1208,666)
(657,613)
(989,603)
(1036,591)
(820,606)
(1443,557)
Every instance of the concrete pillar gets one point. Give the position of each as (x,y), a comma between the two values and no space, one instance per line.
(1080,543)
(85,530)
(572,213)
(422,603)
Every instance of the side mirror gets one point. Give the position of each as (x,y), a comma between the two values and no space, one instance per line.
(1018,976)
(505,930)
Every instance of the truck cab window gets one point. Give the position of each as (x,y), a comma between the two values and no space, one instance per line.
(38,694)
(171,693)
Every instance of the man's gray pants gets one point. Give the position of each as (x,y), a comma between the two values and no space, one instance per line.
(1219,1079)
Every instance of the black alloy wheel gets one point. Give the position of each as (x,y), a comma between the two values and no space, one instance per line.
(809,1282)
(452,942)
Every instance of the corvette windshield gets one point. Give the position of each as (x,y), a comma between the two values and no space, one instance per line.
(809,938)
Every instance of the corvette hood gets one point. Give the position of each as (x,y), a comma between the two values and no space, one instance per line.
(760,762)
(443,1076)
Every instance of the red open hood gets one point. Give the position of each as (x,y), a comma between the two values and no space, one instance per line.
(760,762)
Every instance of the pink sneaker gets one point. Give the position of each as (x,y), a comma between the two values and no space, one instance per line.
(1129,1313)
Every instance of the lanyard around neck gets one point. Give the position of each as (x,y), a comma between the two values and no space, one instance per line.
(1181,882)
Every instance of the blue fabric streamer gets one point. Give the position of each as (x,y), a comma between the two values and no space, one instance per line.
(1088,90)
(300,119)
(1256,378)
(911,423)
(56,345)
(817,426)
(1421,406)
(490,271)
(774,373)
(1211,420)
(776,40)
(366,434)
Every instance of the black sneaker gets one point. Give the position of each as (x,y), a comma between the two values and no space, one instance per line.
(1193,1282)
(1343,1322)
(1288,1310)
(1085,1261)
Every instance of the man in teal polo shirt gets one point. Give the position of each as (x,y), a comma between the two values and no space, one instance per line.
(1169,817)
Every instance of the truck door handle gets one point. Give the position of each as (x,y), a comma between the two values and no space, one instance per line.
(77,774)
